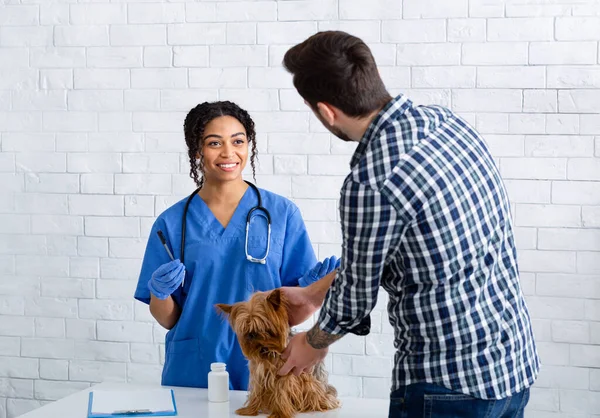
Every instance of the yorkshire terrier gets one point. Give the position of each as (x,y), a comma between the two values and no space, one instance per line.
(262,329)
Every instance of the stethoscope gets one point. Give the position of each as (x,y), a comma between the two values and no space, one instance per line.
(259,207)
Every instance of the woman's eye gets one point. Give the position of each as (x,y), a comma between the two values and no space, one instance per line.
(239,141)
(213,143)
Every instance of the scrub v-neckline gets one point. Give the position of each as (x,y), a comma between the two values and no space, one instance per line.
(238,219)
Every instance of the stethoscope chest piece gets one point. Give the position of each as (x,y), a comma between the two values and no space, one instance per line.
(263,259)
(254,260)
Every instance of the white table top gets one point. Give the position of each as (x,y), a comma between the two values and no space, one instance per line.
(193,403)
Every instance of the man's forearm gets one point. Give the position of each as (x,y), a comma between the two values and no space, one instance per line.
(319,339)
(316,337)
(318,290)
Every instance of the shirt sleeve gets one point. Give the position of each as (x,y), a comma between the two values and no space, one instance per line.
(298,253)
(369,227)
(155,255)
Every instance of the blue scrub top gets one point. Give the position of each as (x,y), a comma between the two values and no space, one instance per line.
(217,272)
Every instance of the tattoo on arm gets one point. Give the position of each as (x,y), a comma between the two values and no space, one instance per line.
(319,339)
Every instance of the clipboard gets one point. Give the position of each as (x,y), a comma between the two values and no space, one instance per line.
(128,411)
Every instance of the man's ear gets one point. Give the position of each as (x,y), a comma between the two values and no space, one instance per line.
(327,112)
(226,309)
(275,298)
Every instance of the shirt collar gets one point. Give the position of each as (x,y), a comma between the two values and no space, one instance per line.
(395,107)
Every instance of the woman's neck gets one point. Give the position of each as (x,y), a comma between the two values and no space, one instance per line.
(223,192)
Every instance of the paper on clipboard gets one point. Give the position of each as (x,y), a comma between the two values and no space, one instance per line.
(147,402)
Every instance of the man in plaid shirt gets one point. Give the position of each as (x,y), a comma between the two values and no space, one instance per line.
(424,215)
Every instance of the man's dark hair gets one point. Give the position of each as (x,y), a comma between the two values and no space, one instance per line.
(193,128)
(337,68)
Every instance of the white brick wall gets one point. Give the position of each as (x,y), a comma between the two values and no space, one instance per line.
(92,100)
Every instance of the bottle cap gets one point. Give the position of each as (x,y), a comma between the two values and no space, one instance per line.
(217,367)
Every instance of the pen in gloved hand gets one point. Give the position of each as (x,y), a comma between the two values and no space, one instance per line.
(164,243)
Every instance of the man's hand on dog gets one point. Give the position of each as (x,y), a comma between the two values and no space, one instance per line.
(300,356)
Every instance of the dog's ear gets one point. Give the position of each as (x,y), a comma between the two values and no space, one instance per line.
(275,299)
(226,309)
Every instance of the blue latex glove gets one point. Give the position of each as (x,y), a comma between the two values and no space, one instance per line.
(320,270)
(166,279)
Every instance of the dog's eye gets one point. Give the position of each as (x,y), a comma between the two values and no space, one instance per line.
(252,335)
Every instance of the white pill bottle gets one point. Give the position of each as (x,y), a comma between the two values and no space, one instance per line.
(218,383)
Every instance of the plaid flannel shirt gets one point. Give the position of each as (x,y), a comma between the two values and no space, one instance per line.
(425,215)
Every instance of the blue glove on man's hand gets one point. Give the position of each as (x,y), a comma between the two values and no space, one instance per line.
(166,279)
(320,270)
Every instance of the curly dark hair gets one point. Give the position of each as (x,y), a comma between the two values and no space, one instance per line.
(195,123)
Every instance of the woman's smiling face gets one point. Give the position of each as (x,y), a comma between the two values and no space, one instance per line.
(225,149)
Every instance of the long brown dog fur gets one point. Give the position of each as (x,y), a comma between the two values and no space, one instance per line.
(261,326)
